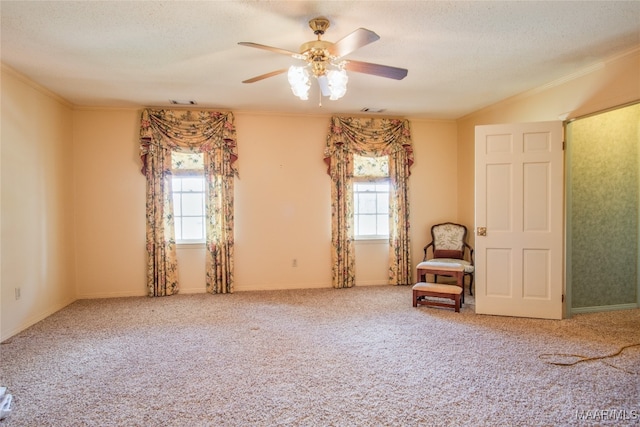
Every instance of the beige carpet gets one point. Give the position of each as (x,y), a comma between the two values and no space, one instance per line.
(353,357)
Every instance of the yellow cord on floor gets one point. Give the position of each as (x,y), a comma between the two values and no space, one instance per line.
(582,358)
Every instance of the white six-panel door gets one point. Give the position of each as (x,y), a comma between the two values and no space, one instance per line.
(519,251)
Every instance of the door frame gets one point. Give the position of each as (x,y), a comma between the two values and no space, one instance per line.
(568,310)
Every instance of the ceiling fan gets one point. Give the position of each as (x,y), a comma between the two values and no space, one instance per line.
(324,61)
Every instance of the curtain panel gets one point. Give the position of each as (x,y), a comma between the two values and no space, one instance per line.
(369,137)
(213,134)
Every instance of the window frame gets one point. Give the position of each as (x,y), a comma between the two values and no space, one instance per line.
(189,173)
(369,180)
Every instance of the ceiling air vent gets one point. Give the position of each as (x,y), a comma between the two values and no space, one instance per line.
(182,102)
(373,110)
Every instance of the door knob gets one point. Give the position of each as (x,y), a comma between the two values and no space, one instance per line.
(482,231)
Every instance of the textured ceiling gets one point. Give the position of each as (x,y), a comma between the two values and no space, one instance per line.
(461,56)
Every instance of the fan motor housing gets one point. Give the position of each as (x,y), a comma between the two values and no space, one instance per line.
(315,45)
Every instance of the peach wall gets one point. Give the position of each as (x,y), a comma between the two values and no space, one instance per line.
(110,204)
(283,209)
(434,180)
(36,204)
(282,204)
(605,85)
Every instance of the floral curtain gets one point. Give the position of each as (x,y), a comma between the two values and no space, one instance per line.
(213,134)
(373,138)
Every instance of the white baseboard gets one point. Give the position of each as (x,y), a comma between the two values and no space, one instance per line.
(279,287)
(141,293)
(601,308)
(371,283)
(237,288)
(188,291)
(35,319)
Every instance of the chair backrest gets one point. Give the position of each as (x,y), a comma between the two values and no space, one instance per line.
(449,240)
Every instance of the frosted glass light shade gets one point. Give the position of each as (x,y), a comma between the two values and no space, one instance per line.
(299,81)
(337,83)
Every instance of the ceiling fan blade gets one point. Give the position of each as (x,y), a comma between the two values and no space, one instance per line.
(352,41)
(376,69)
(264,76)
(270,48)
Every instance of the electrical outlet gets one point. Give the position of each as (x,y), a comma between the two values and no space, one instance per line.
(17,294)
(294,263)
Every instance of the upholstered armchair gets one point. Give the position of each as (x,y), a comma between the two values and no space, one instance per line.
(449,245)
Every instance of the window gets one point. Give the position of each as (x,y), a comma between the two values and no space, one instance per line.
(188,187)
(371,197)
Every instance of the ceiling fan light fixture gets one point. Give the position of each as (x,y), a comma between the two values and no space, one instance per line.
(299,81)
(323,61)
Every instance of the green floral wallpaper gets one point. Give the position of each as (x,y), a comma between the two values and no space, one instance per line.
(603,208)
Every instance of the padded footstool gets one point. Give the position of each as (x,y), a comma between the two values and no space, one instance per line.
(442,268)
(422,290)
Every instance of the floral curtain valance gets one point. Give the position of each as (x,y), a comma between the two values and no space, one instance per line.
(368,137)
(186,130)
